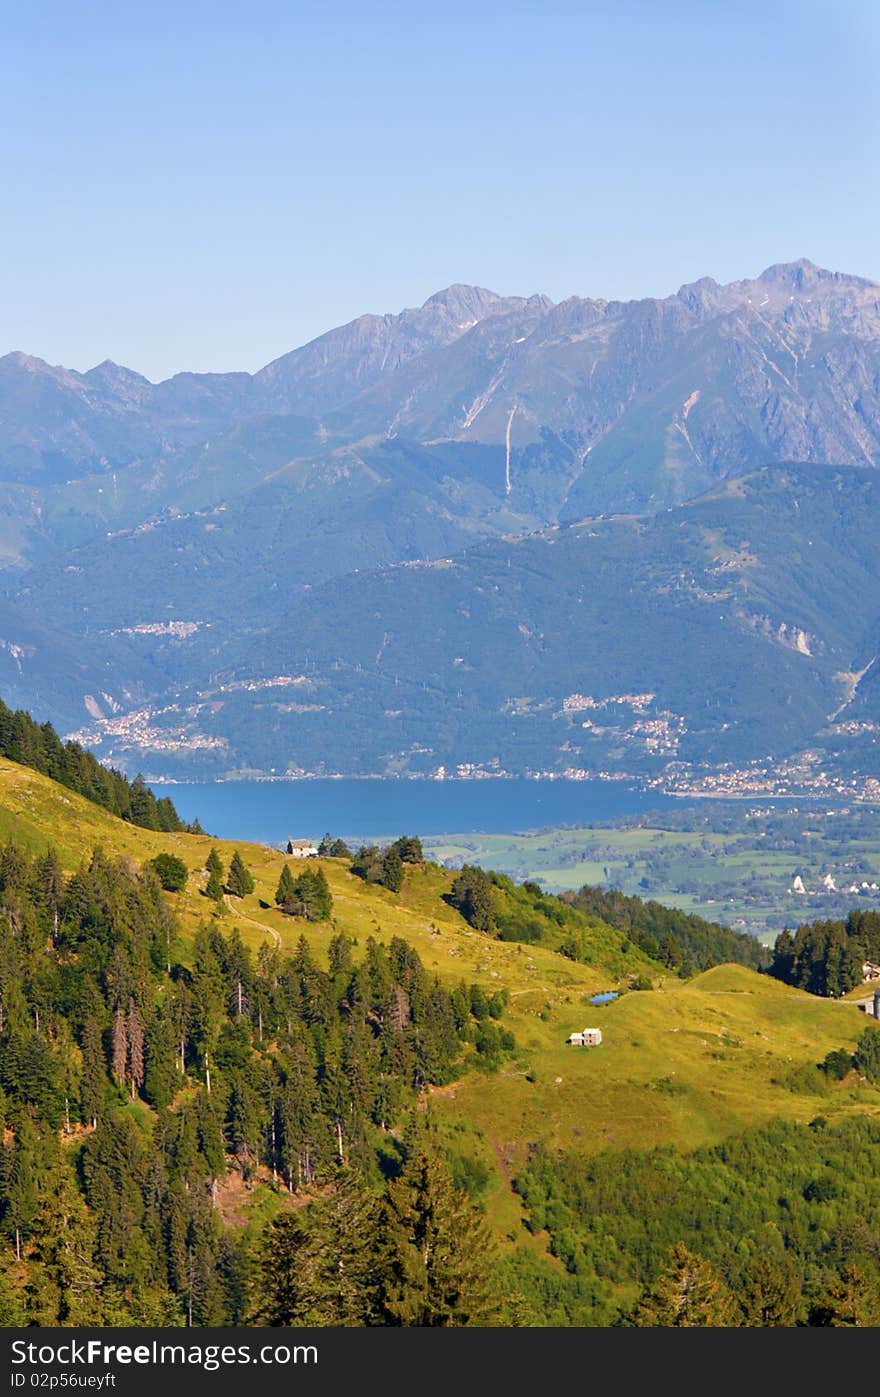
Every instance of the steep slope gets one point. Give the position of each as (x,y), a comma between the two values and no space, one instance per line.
(336,367)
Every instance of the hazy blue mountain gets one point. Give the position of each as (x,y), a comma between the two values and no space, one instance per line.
(718,631)
(344,502)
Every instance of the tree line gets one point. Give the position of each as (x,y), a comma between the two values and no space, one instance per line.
(679,940)
(38,745)
(827,957)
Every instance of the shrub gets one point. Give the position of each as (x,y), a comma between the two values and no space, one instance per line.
(171,872)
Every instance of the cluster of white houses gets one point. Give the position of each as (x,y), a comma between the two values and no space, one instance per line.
(590,1038)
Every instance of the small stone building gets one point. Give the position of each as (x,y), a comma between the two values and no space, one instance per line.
(302,849)
(589,1038)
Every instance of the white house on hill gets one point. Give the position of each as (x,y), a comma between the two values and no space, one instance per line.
(590,1038)
(302,849)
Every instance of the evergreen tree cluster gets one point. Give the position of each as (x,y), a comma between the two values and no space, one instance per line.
(306,895)
(472,894)
(679,940)
(38,745)
(827,957)
(865,1058)
(332,848)
(386,866)
(778,1227)
(417,1253)
(131,1083)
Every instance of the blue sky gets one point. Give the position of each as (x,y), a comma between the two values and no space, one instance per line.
(206,186)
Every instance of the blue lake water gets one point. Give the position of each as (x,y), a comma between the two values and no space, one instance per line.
(604,998)
(271,812)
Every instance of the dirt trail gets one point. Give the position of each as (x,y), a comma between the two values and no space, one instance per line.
(261,926)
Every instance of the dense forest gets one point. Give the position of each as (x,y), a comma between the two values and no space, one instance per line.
(38,745)
(138,1076)
(777,1227)
(827,957)
(680,940)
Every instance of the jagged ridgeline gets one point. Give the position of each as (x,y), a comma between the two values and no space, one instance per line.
(38,745)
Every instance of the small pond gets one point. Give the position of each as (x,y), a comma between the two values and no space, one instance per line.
(603,998)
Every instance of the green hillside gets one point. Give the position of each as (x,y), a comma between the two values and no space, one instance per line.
(686,1063)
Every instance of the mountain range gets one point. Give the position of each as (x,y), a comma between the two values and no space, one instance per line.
(473,535)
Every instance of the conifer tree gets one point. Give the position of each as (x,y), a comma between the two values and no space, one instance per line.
(135,1027)
(120,1046)
(311,897)
(688,1293)
(440,1268)
(392,870)
(12,1312)
(93,1083)
(324,1265)
(851,1301)
(284,891)
(50,886)
(240,881)
(161,1076)
(64,1282)
(770,1296)
(214,886)
(283,1282)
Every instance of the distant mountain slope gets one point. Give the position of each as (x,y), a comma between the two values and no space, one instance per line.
(728,629)
(163,541)
(634,403)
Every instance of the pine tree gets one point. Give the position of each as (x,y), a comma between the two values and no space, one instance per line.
(850,1302)
(770,1296)
(283,1287)
(440,1267)
(161,1076)
(50,886)
(311,896)
(324,1265)
(688,1293)
(392,870)
(12,1312)
(240,881)
(409,847)
(64,1282)
(120,1046)
(866,1057)
(472,894)
(214,887)
(93,1083)
(135,1028)
(284,891)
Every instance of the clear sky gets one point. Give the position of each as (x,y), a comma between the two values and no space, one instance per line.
(207,185)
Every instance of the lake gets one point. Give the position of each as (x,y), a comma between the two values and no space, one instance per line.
(271,812)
